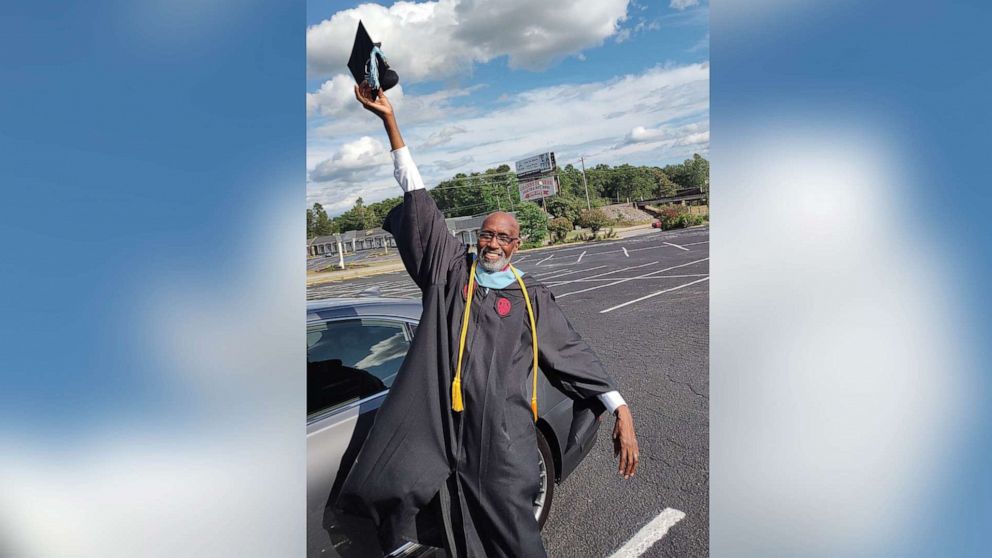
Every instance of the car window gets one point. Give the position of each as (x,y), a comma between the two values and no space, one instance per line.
(350,360)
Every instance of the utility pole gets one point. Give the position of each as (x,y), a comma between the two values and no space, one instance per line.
(340,253)
(584,185)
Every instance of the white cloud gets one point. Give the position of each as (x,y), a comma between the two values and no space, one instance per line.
(642,25)
(353,162)
(640,133)
(449,165)
(696,133)
(683,4)
(332,98)
(431,40)
(442,136)
(663,118)
(699,138)
(350,118)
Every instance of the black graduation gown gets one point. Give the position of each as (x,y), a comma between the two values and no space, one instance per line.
(474,472)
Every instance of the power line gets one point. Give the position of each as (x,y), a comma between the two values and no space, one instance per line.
(495,183)
(455,209)
(480,175)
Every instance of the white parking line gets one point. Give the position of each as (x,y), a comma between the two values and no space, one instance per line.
(580,256)
(609,273)
(559,273)
(652,295)
(677,246)
(649,534)
(545,259)
(557,283)
(655,247)
(625,252)
(695,243)
(618,281)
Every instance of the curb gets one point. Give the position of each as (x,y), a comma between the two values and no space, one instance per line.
(344,275)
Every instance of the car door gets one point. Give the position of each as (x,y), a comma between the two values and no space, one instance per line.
(350,365)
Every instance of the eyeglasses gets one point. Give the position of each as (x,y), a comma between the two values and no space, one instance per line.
(503,239)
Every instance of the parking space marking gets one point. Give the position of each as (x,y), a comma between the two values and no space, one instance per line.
(628,303)
(598,243)
(544,260)
(609,273)
(625,252)
(695,243)
(618,281)
(580,256)
(649,534)
(637,278)
(655,247)
(561,273)
(677,246)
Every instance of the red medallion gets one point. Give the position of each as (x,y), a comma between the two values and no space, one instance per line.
(465,291)
(503,307)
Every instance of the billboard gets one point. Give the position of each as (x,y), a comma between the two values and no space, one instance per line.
(538,188)
(545,162)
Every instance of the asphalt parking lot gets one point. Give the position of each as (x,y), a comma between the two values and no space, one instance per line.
(643,304)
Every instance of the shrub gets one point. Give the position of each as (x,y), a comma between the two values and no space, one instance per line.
(679,218)
(594,219)
(559,228)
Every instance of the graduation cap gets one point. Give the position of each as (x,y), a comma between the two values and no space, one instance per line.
(368,64)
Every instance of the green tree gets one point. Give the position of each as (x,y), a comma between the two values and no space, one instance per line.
(642,184)
(475,193)
(664,185)
(698,169)
(565,205)
(559,228)
(381,209)
(691,173)
(594,219)
(533,222)
(570,180)
(321,223)
(358,218)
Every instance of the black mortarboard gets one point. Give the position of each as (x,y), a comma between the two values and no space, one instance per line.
(361,70)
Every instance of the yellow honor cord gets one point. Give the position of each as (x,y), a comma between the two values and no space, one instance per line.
(457,404)
(533,334)
(456,386)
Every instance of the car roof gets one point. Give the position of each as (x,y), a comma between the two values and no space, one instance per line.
(334,308)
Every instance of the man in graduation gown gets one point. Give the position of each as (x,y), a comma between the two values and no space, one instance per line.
(463,459)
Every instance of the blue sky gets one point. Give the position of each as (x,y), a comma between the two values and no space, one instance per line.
(491,82)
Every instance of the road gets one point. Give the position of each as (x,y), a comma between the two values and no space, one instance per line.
(643,304)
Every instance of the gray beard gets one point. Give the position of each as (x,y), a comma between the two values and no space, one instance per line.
(492,266)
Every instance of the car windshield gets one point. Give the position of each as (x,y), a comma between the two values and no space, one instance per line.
(352,359)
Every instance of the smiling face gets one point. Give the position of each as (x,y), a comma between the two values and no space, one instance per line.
(493,255)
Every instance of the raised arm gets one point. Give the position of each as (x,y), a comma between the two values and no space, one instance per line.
(384,110)
(426,246)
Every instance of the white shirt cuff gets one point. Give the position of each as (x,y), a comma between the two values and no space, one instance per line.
(405,170)
(612,400)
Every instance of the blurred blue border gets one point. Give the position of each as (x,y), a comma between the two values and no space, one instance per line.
(920,70)
(132,138)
